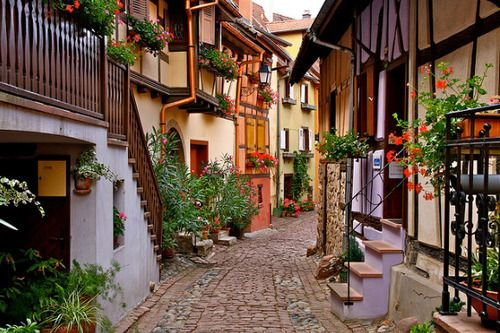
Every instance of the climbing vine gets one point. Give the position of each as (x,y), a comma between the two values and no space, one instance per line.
(300,179)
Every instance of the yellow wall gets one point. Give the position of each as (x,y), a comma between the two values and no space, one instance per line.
(294,37)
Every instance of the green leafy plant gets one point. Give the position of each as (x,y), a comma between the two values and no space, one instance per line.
(307,205)
(268,95)
(424,139)
(339,147)
(119,219)
(354,252)
(455,307)
(29,327)
(87,166)
(219,62)
(300,178)
(96,15)
(71,310)
(426,327)
(123,52)
(14,193)
(226,104)
(491,270)
(291,208)
(150,35)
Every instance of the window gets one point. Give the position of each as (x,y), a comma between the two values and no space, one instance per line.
(199,156)
(207,25)
(178,26)
(139,9)
(306,140)
(284,139)
(289,90)
(304,98)
(259,193)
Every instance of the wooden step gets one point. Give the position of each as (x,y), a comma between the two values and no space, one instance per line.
(381,247)
(144,203)
(340,291)
(131,161)
(392,223)
(157,248)
(150,227)
(147,215)
(135,175)
(363,270)
(140,189)
(158,258)
(153,237)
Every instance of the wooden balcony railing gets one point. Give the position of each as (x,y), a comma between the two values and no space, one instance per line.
(117,99)
(50,59)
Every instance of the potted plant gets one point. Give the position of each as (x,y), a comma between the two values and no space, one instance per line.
(491,284)
(119,219)
(87,169)
(267,95)
(423,140)
(29,327)
(149,35)
(291,208)
(218,62)
(70,312)
(123,52)
(226,104)
(339,147)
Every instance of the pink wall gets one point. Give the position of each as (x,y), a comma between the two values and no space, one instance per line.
(263,220)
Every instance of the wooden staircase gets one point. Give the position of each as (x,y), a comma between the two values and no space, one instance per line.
(370,280)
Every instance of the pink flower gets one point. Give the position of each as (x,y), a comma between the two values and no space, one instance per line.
(297,214)
(165,141)
(122,216)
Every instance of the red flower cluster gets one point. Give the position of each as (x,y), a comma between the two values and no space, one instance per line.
(261,160)
(291,207)
(226,104)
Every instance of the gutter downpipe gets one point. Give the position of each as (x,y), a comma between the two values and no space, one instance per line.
(348,193)
(238,101)
(192,91)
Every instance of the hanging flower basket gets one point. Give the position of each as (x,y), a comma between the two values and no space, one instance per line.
(218,62)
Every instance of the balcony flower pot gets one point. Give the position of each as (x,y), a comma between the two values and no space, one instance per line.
(82,185)
(493,119)
(90,328)
(491,312)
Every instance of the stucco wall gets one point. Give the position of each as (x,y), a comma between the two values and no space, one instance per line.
(91,215)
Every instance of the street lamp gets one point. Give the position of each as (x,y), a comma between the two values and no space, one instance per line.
(264,74)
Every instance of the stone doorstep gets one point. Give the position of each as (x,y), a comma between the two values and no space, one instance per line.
(204,247)
(460,323)
(227,240)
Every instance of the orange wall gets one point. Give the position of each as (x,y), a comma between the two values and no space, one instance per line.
(263,220)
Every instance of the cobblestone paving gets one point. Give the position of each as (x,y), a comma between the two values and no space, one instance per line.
(264,284)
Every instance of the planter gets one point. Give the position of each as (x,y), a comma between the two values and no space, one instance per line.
(480,120)
(491,312)
(168,253)
(204,235)
(86,329)
(82,185)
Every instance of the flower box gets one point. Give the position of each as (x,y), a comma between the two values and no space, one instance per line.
(493,119)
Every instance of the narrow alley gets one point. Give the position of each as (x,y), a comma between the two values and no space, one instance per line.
(263,284)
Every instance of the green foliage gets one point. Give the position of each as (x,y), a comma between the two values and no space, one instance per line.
(300,178)
(491,269)
(123,52)
(71,309)
(219,62)
(424,139)
(148,34)
(29,327)
(455,307)
(118,222)
(307,205)
(339,147)
(226,104)
(13,193)
(87,166)
(96,15)
(426,327)
(354,252)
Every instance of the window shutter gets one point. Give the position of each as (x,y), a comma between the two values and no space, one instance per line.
(303,92)
(207,25)
(290,89)
(261,136)
(311,142)
(139,9)
(301,139)
(283,140)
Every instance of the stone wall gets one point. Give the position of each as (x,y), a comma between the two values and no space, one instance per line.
(335,199)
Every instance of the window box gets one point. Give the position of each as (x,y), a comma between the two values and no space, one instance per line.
(307,107)
(288,101)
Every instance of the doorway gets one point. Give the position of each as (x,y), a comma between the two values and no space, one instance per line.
(199,156)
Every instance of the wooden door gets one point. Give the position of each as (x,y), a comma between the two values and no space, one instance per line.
(199,156)
(288,186)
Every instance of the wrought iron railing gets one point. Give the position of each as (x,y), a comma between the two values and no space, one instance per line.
(471,192)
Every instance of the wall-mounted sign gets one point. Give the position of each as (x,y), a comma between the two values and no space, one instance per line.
(377,160)
(51,178)
(395,171)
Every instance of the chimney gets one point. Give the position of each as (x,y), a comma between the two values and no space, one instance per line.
(307,14)
(246,9)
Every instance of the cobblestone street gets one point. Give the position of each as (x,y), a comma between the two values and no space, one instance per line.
(263,284)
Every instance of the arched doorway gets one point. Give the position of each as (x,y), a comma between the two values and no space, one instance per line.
(178,149)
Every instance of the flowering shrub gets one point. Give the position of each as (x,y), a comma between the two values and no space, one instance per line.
(291,208)
(226,104)
(96,15)
(268,95)
(219,62)
(336,147)
(123,52)
(119,219)
(260,160)
(423,140)
(150,35)
(307,205)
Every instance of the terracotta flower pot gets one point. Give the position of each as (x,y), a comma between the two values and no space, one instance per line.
(492,314)
(82,185)
(204,235)
(168,253)
(492,119)
(86,329)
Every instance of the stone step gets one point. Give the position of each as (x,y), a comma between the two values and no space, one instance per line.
(363,270)
(339,290)
(204,247)
(392,223)
(227,240)
(381,247)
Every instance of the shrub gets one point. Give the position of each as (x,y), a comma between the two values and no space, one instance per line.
(226,104)
(148,34)
(219,62)
(123,52)
(336,147)
(300,178)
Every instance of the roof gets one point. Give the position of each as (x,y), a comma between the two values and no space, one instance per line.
(259,15)
(279,17)
(289,25)
(334,17)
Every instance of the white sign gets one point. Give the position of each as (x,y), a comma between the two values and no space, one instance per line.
(377,160)
(395,171)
